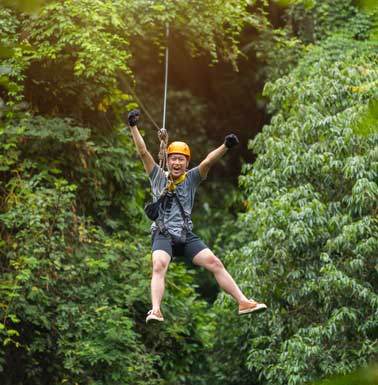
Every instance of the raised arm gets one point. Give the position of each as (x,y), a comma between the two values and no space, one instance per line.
(213,157)
(147,158)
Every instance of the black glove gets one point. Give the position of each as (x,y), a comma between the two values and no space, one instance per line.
(231,140)
(133,117)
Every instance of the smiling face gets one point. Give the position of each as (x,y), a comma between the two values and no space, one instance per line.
(177,164)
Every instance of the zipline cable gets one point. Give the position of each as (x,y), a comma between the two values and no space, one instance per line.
(163,129)
(166,76)
(163,133)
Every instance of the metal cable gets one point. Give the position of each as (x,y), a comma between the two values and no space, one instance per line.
(162,132)
(122,77)
(166,76)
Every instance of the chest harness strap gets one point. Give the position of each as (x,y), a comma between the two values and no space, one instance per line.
(168,197)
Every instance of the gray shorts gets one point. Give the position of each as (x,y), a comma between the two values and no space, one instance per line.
(189,249)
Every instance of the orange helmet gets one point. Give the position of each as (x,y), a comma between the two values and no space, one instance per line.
(179,148)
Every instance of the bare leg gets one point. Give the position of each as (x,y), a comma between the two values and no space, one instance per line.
(160,262)
(208,260)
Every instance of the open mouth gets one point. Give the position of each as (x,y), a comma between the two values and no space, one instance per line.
(176,171)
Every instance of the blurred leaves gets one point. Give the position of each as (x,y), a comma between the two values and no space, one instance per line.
(308,4)
(366,123)
(366,376)
(75,262)
(307,243)
(27,6)
(369,5)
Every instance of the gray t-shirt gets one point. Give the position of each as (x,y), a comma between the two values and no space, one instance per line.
(185,191)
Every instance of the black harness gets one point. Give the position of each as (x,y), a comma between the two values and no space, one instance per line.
(168,199)
(164,202)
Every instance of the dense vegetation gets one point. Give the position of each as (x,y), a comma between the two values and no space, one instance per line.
(75,259)
(308,241)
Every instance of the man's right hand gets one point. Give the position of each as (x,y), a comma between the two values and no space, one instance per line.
(133,117)
(231,140)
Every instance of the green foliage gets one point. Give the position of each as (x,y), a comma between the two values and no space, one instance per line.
(325,18)
(186,120)
(304,23)
(61,314)
(75,265)
(28,6)
(76,51)
(307,244)
(366,121)
(184,340)
(365,376)
(75,253)
(369,5)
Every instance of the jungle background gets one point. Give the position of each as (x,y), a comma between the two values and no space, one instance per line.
(292,211)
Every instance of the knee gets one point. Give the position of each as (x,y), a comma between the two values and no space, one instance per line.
(215,264)
(159,267)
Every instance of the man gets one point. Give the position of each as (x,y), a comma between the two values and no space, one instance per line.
(172,230)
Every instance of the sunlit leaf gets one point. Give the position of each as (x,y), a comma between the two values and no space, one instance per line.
(24,5)
(368,4)
(366,123)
